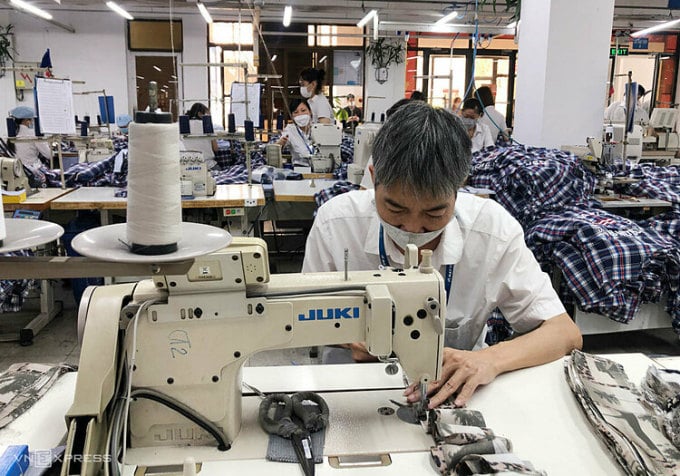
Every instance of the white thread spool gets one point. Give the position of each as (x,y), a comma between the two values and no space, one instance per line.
(154,209)
(3,229)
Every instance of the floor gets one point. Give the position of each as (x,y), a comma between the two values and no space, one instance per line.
(58,341)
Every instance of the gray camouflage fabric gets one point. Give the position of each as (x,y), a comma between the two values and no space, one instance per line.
(466,446)
(661,389)
(616,408)
(23,384)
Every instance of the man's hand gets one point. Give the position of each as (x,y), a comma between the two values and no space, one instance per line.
(462,372)
(283,141)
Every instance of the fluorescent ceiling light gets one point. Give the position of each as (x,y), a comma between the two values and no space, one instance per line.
(323,59)
(375,27)
(411,57)
(366,18)
(446,18)
(140,77)
(287,14)
(157,68)
(119,10)
(204,12)
(652,29)
(274,58)
(31,9)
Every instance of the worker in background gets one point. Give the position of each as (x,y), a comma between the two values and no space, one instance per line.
(616,112)
(456,105)
(478,248)
(297,135)
(354,113)
(492,118)
(471,112)
(311,86)
(123,122)
(196,113)
(29,153)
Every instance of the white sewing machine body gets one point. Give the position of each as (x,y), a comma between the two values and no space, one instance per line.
(13,176)
(194,169)
(364,135)
(194,338)
(99,148)
(326,139)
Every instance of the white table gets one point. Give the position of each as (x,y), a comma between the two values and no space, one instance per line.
(300,190)
(614,201)
(534,408)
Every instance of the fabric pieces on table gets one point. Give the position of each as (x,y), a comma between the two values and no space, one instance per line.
(530,181)
(13,293)
(465,446)
(661,389)
(338,188)
(281,449)
(615,409)
(610,264)
(662,183)
(23,384)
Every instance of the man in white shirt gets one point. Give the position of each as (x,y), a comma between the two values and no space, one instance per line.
(616,112)
(28,153)
(477,247)
(471,112)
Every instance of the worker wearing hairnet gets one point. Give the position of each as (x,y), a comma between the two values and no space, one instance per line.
(29,153)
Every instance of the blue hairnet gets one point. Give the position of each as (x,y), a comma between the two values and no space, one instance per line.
(123,120)
(22,112)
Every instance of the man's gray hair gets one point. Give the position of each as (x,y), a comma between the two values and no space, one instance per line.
(424,149)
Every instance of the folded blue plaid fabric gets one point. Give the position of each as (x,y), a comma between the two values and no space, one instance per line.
(610,264)
(530,182)
(14,292)
(338,188)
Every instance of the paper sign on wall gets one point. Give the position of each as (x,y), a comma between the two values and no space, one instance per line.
(54,104)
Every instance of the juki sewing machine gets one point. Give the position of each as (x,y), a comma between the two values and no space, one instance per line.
(182,340)
(99,148)
(194,171)
(326,139)
(13,175)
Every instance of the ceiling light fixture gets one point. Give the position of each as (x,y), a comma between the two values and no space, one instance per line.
(204,12)
(366,18)
(274,58)
(157,68)
(446,18)
(31,9)
(375,27)
(119,10)
(287,14)
(652,29)
(323,59)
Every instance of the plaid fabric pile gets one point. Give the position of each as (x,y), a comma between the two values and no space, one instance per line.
(13,293)
(338,188)
(530,182)
(610,264)
(662,183)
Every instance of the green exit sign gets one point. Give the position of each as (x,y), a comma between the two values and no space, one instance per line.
(618,51)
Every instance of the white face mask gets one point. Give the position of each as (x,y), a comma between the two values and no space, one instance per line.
(305,92)
(302,120)
(402,238)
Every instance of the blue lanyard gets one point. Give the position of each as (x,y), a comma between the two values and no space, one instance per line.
(448,275)
(304,139)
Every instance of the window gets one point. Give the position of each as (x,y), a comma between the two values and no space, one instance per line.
(334,35)
(231,34)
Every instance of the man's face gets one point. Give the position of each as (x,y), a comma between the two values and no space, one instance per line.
(470,114)
(400,207)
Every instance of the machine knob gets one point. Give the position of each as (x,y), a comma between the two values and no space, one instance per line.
(391,369)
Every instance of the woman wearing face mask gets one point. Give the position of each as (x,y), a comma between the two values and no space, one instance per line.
(28,153)
(311,84)
(479,133)
(296,135)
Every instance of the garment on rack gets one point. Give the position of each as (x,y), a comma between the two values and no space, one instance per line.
(530,182)
(23,384)
(610,264)
(613,406)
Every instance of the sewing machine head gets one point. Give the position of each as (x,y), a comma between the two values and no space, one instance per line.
(13,175)
(194,169)
(194,332)
(327,139)
(364,135)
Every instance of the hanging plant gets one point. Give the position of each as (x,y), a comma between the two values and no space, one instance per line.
(383,53)
(7,50)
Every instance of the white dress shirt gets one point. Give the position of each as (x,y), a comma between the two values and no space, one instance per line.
(481,138)
(27,152)
(320,108)
(299,145)
(491,113)
(493,266)
(616,112)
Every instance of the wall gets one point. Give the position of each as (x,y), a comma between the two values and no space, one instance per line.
(97,54)
(390,91)
(562,71)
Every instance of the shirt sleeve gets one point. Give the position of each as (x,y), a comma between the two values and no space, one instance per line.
(525,294)
(325,109)
(318,255)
